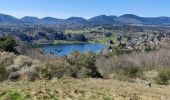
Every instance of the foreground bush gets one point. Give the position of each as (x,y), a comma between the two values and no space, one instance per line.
(56,67)
(24,68)
(6,58)
(83,65)
(124,67)
(3,73)
(28,73)
(163,77)
(133,65)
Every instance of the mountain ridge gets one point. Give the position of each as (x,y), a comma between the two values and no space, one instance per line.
(96,20)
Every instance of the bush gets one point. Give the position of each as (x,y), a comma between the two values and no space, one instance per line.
(150,75)
(163,77)
(28,74)
(6,58)
(19,67)
(120,64)
(7,44)
(57,67)
(3,73)
(104,67)
(117,50)
(133,71)
(83,65)
(14,76)
(22,61)
(24,68)
(131,64)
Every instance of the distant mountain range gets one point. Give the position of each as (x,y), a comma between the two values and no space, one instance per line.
(126,19)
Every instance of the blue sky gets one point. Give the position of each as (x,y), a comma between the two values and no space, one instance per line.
(84,8)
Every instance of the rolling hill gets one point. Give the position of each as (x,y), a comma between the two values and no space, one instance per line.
(126,19)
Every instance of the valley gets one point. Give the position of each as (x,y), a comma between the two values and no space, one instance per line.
(79,59)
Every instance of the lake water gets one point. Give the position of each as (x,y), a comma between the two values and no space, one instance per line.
(66,49)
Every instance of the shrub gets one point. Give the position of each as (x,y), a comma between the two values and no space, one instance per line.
(6,58)
(45,73)
(22,61)
(83,65)
(150,75)
(104,66)
(134,71)
(57,67)
(7,44)
(117,50)
(163,77)
(28,73)
(131,64)
(14,76)
(120,64)
(19,63)
(3,73)
(24,68)
(148,48)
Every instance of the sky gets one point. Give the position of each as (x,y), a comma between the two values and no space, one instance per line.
(84,8)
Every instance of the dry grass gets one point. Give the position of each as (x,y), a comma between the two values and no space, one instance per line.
(143,61)
(85,89)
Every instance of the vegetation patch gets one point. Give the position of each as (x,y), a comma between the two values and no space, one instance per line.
(7,44)
(163,77)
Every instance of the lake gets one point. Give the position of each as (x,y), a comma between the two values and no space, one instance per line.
(66,49)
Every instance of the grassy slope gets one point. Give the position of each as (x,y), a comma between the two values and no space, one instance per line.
(85,89)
